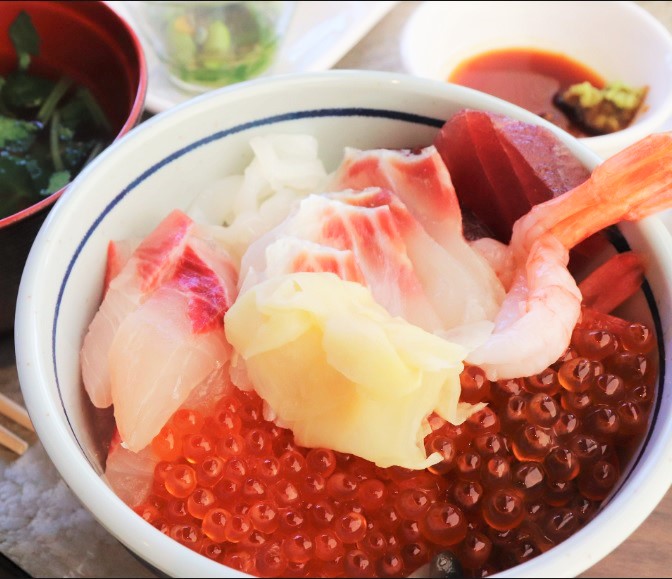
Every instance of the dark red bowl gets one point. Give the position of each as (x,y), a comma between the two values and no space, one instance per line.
(94,46)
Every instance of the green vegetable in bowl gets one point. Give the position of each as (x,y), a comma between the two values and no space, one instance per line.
(49,129)
(213,45)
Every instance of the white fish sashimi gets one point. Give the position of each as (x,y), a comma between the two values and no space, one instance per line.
(421,181)
(387,250)
(130,474)
(419,178)
(367,231)
(172,343)
(151,262)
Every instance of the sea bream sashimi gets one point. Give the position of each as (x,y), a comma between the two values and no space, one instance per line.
(159,332)
(407,271)
(151,262)
(172,343)
(130,474)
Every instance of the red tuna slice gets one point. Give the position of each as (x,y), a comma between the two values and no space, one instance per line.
(476,193)
(496,165)
(502,167)
(545,167)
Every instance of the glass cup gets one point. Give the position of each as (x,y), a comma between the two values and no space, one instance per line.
(205,45)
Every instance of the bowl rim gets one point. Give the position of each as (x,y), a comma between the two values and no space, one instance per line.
(161,551)
(131,120)
(656,119)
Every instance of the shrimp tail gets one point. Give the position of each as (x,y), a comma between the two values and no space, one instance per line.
(629,186)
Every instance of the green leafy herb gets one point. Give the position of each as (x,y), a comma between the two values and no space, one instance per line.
(25,39)
(57,181)
(49,129)
(24,91)
(49,105)
(16,132)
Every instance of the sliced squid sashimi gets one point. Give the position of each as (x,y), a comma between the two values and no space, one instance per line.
(285,168)
(172,343)
(152,261)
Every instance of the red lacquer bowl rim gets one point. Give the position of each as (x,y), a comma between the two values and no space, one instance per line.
(131,121)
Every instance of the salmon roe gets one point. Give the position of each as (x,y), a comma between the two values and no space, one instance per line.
(515,479)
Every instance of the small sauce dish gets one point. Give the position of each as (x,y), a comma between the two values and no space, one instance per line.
(632,48)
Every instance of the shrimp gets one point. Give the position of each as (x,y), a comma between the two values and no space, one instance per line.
(543,304)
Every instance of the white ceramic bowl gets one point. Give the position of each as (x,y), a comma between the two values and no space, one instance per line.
(619,40)
(167,160)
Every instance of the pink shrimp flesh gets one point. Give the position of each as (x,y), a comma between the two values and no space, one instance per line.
(542,307)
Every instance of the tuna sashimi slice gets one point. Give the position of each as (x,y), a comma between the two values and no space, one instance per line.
(502,167)
(152,261)
(545,166)
(172,343)
(496,167)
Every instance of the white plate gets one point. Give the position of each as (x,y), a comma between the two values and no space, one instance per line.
(319,35)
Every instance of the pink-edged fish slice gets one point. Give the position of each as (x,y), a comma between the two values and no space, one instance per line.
(152,261)
(353,234)
(118,255)
(172,343)
(419,178)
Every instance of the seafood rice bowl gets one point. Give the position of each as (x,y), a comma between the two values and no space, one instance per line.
(356,324)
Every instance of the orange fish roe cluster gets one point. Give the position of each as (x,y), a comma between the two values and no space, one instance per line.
(515,479)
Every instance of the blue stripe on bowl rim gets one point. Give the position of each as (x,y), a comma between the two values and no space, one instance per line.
(615,237)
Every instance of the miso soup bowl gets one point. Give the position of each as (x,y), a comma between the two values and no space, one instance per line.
(163,164)
(91,44)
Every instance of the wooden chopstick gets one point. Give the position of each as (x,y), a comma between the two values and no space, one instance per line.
(18,414)
(11,441)
(15,412)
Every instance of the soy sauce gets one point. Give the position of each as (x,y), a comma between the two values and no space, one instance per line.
(527,77)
